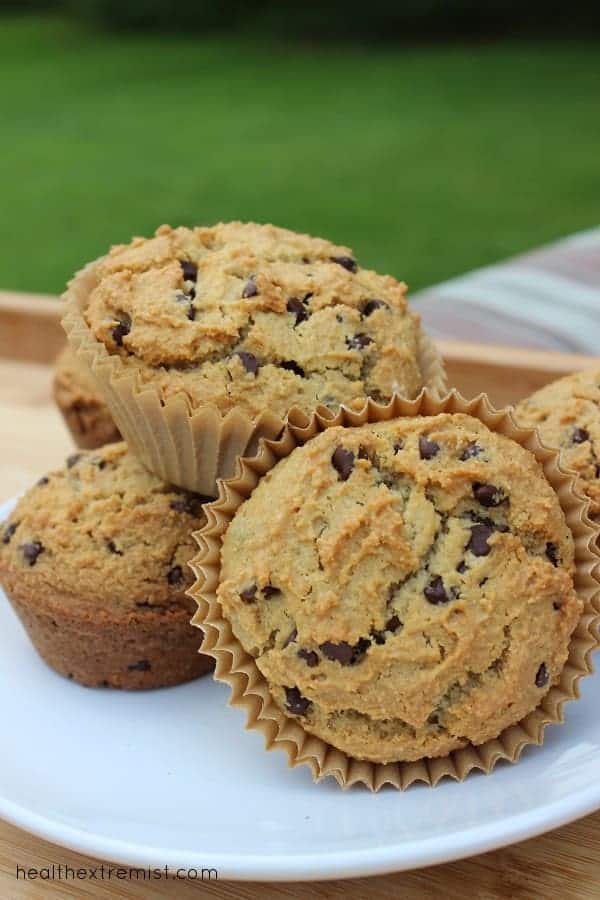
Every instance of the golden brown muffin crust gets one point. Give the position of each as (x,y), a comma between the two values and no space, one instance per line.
(567,414)
(94,561)
(105,531)
(82,406)
(256,317)
(406,587)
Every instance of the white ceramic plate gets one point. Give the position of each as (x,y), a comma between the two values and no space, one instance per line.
(170,777)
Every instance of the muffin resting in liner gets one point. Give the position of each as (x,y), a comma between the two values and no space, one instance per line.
(567,415)
(204,340)
(407,617)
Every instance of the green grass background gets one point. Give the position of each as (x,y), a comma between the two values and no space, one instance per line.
(427,160)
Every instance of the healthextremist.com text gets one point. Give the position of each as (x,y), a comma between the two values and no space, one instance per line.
(102,872)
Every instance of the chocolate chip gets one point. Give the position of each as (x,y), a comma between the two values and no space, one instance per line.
(541,676)
(478,542)
(189,269)
(393,624)
(360,648)
(580,435)
(250,289)
(345,653)
(436,592)
(73,459)
(495,526)
(249,361)
(175,575)
(31,551)
(43,481)
(398,446)
(142,666)
(121,330)
(462,567)
(597,470)
(248,595)
(552,553)
(101,463)
(296,306)
(358,341)
(189,503)
(291,638)
(428,449)
(371,305)
(343,462)
(472,449)
(292,366)
(487,494)
(9,531)
(191,313)
(113,548)
(180,297)
(295,702)
(342,652)
(346,262)
(362,453)
(270,591)
(310,657)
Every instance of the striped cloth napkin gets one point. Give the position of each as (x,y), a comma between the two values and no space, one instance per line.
(548,299)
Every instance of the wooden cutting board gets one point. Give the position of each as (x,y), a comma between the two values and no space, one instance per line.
(564,864)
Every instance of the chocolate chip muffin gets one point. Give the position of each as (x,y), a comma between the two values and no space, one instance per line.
(254,318)
(567,415)
(94,561)
(405,588)
(83,408)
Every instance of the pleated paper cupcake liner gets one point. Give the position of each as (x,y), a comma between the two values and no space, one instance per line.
(249,689)
(192,448)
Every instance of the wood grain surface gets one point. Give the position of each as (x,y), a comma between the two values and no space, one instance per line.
(562,864)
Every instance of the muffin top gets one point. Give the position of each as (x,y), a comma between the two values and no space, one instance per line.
(567,414)
(104,531)
(86,414)
(405,587)
(254,317)
(73,381)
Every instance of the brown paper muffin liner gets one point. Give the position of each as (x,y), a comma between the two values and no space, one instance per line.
(191,448)
(249,689)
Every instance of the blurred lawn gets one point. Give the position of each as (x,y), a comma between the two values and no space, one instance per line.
(427,161)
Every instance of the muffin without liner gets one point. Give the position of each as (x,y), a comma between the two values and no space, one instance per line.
(94,561)
(85,413)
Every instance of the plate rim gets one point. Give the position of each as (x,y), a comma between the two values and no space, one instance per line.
(327,865)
